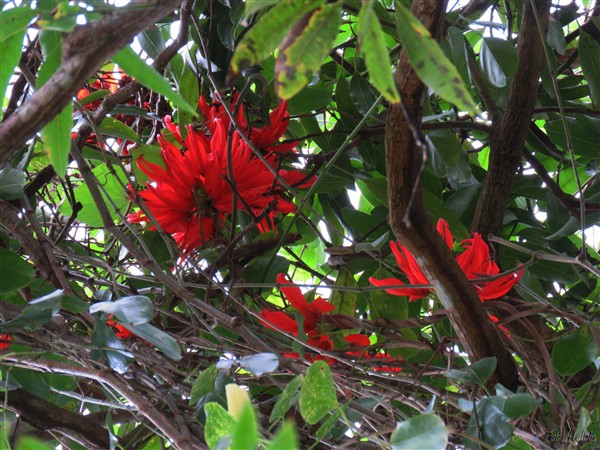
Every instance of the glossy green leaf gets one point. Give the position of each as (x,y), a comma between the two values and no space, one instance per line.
(205,383)
(107,346)
(151,40)
(244,435)
(489,424)
(423,431)
(219,424)
(430,62)
(161,340)
(574,352)
(305,48)
(285,439)
(12,183)
(477,373)
(10,53)
(447,157)
(115,128)
(150,153)
(372,45)
(384,305)
(188,88)
(589,55)
(460,53)
(362,93)
(132,310)
(36,313)
(344,301)
(556,38)
(253,6)
(134,65)
(262,39)
(288,397)
(498,60)
(317,396)
(16,272)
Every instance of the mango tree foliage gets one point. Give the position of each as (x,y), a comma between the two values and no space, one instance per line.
(197,247)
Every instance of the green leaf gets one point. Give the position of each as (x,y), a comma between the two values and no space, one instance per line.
(10,53)
(110,348)
(245,433)
(384,305)
(161,340)
(25,442)
(460,53)
(152,154)
(51,42)
(490,424)
(89,214)
(16,272)
(498,60)
(14,21)
(147,75)
(344,301)
(304,49)
(430,62)
(262,270)
(36,313)
(56,137)
(115,128)
(556,38)
(219,424)
(448,158)
(317,396)
(589,55)
(361,93)
(518,406)
(262,39)
(188,88)
(205,383)
(285,439)
(12,183)
(253,6)
(131,310)
(574,352)
(424,431)
(372,44)
(477,373)
(288,397)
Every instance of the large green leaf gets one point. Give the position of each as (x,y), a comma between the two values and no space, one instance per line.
(344,301)
(426,431)
(110,348)
(574,352)
(589,55)
(489,424)
(161,340)
(14,21)
(288,397)
(285,439)
(132,310)
(147,75)
(372,44)
(15,273)
(10,53)
(477,373)
(262,39)
(498,60)
(245,432)
(317,396)
(115,128)
(189,90)
(430,62)
(205,383)
(304,49)
(219,424)
(12,183)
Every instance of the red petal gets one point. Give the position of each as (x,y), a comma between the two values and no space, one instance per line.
(281,320)
(444,230)
(414,294)
(294,295)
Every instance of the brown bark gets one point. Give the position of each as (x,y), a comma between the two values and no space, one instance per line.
(47,416)
(507,137)
(85,49)
(411,223)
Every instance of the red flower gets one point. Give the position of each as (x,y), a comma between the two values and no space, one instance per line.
(475,262)
(120,331)
(360,340)
(4,341)
(312,312)
(265,138)
(191,196)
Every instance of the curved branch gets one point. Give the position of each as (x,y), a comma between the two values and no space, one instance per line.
(85,49)
(411,224)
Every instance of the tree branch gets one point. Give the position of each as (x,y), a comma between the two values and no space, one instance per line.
(465,310)
(507,137)
(85,49)
(47,416)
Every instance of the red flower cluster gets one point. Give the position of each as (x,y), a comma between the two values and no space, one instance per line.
(475,262)
(312,314)
(193,193)
(120,331)
(4,341)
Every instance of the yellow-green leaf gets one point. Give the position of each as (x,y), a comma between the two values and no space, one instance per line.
(317,396)
(430,62)
(219,424)
(344,301)
(307,43)
(374,50)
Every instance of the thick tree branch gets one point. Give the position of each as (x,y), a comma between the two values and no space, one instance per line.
(416,231)
(85,49)
(507,137)
(47,416)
